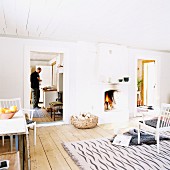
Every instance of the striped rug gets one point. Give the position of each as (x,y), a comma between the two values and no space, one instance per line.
(100,154)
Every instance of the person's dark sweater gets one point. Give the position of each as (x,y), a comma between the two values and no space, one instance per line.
(34,80)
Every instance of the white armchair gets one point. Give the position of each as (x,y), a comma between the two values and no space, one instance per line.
(157,126)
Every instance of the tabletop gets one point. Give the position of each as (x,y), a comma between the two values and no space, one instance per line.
(16,125)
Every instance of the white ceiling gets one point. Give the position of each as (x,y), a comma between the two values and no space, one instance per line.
(135,23)
(42,56)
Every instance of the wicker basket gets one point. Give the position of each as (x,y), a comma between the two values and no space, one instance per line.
(85,123)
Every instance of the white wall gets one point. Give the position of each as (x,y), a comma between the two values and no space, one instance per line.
(165,79)
(84,62)
(11,68)
(85,75)
(113,62)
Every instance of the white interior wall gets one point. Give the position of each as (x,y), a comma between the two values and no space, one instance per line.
(84,63)
(85,75)
(34,63)
(111,59)
(165,79)
(11,68)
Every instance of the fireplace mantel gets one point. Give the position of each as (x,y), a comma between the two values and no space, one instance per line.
(109,86)
(114,83)
(105,83)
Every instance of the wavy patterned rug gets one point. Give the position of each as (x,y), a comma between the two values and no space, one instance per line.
(100,154)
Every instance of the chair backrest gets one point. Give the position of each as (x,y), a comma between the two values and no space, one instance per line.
(164,117)
(7,103)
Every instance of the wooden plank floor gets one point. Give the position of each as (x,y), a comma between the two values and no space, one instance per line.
(48,154)
(47,117)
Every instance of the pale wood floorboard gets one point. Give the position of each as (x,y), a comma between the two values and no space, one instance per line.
(48,154)
(50,139)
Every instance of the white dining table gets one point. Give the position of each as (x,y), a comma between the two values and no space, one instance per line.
(15,126)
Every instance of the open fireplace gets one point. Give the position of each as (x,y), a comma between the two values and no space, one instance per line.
(110,100)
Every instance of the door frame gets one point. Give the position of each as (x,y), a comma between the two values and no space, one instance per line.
(146,55)
(66,84)
(142,85)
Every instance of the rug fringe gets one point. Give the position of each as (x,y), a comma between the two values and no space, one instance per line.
(77,162)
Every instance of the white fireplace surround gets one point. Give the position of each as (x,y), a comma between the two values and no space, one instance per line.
(121,112)
(115,98)
(121,89)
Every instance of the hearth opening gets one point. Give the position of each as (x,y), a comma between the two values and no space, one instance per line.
(110,100)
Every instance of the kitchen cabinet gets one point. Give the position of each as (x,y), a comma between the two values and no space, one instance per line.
(49,96)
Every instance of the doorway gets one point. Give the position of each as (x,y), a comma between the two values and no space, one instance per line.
(66,80)
(146,82)
(51,64)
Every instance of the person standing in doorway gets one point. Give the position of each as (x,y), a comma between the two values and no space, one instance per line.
(35,87)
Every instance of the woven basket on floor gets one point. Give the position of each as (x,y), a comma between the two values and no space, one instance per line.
(86,123)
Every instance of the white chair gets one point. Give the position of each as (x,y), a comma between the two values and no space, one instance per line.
(30,123)
(157,126)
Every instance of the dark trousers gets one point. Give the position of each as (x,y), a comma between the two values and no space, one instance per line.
(35,97)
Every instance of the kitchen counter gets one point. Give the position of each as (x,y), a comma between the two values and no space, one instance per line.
(49,89)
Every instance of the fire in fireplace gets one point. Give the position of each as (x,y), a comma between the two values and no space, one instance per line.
(109,100)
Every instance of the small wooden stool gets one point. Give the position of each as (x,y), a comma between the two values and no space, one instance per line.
(55,106)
